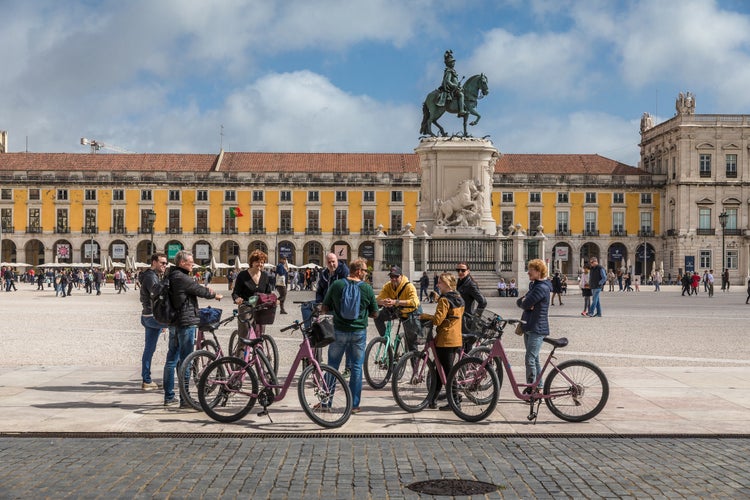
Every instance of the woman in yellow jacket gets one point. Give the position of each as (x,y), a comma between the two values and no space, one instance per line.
(447,320)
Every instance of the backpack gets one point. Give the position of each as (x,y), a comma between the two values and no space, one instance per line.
(350,300)
(161,303)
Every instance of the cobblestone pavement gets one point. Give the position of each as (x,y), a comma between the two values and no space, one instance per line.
(302,467)
(677,424)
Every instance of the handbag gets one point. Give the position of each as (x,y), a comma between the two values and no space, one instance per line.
(280,280)
(321,332)
(265,309)
(519,329)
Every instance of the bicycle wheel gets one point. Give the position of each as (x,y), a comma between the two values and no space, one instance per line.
(579,389)
(227,389)
(378,358)
(482,352)
(326,399)
(474,389)
(189,373)
(209,345)
(271,350)
(413,381)
(233,339)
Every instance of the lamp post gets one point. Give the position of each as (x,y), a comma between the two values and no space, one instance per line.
(151,220)
(723,221)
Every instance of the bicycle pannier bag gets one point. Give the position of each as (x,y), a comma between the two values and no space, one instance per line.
(322,332)
(350,300)
(161,303)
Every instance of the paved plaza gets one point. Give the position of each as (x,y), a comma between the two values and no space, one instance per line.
(676,425)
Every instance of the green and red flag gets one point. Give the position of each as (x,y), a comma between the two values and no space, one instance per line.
(235,212)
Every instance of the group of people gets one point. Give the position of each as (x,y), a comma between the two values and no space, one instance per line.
(457,295)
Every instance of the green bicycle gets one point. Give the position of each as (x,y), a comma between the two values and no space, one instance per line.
(382,354)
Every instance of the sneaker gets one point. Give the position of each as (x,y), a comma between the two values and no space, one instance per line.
(171,402)
(186,407)
(584,313)
(347,373)
(356,410)
(149,386)
(432,405)
(445,408)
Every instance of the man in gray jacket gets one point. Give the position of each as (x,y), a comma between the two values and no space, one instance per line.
(184,293)
(148,279)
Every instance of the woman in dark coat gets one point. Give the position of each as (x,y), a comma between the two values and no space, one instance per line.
(248,283)
(535,305)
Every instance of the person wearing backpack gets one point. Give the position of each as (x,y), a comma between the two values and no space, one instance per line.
(183,293)
(447,320)
(352,301)
(597,279)
(399,298)
(148,279)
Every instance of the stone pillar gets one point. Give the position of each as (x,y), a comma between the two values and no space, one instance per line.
(378,275)
(407,253)
(519,259)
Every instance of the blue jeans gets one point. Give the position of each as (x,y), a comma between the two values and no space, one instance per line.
(596,307)
(533,342)
(353,345)
(153,328)
(181,341)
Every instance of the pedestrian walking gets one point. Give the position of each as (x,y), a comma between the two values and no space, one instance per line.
(597,279)
(585,290)
(282,275)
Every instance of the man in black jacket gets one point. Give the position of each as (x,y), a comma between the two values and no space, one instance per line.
(469,291)
(183,293)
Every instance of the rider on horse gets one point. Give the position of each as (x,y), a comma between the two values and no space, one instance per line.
(451,87)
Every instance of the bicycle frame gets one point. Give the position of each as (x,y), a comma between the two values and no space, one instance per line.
(305,352)
(498,351)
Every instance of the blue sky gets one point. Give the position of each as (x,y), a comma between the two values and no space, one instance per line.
(565,76)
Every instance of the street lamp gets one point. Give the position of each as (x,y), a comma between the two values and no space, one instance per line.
(723,221)
(151,220)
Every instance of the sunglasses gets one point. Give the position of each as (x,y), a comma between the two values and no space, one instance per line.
(459,270)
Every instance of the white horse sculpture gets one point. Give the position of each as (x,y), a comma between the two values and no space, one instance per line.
(446,211)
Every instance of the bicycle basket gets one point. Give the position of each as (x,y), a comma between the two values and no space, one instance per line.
(482,325)
(209,316)
(265,310)
(425,331)
(321,332)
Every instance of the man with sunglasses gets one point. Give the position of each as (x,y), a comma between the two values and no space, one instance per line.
(148,279)
(469,291)
(398,298)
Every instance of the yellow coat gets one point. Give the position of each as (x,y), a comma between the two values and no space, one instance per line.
(447,321)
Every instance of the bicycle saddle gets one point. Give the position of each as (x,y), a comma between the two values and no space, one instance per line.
(562,342)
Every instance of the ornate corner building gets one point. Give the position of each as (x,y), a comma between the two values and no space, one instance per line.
(69,207)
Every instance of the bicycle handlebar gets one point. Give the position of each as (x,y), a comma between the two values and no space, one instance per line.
(294,326)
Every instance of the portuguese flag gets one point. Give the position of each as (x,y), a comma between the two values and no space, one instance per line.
(235,212)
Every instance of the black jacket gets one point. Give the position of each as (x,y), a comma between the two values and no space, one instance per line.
(469,291)
(147,279)
(184,292)
(245,287)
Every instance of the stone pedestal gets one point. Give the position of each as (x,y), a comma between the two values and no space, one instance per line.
(446,164)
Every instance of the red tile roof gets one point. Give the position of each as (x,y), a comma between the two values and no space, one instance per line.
(300,162)
(563,164)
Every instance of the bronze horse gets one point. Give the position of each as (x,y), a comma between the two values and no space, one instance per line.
(474,89)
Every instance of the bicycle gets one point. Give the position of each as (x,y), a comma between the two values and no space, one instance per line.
(575,390)
(270,347)
(413,381)
(195,363)
(383,353)
(228,388)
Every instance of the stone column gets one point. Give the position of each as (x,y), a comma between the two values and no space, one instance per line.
(407,253)
(519,259)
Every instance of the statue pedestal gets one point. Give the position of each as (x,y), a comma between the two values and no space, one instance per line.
(447,164)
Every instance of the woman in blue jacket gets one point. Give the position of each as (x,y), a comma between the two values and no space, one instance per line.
(535,305)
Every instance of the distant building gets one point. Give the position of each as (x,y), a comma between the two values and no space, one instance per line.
(302,205)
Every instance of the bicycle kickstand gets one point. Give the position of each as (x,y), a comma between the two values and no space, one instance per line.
(533,414)
(265,413)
